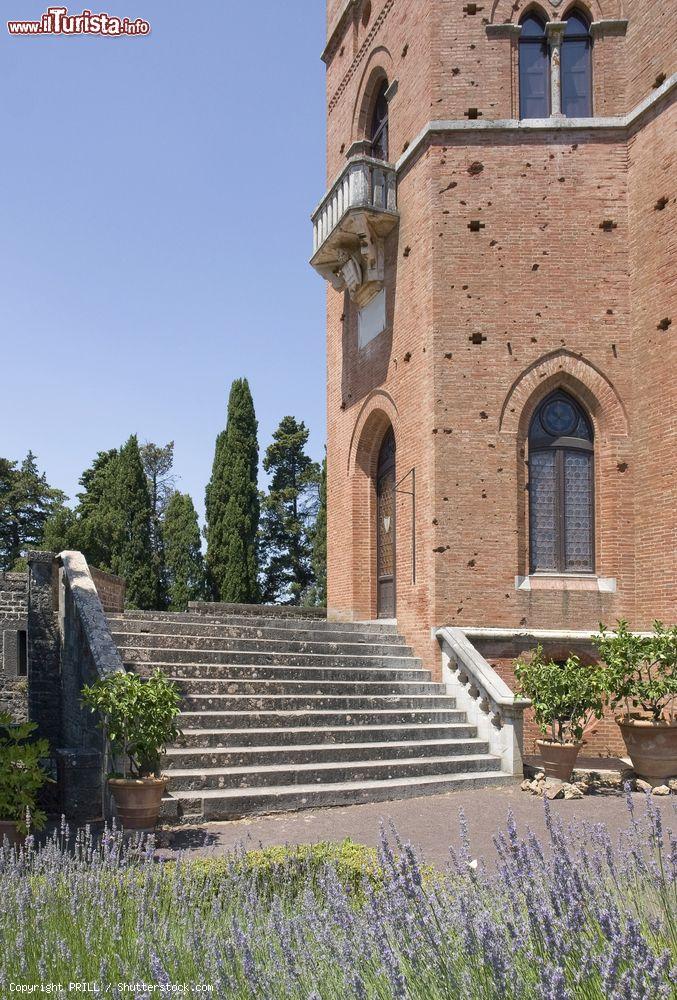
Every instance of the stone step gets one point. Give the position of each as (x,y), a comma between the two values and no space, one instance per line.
(321,734)
(312,702)
(154,655)
(219,630)
(220,757)
(196,779)
(321,717)
(191,687)
(158,640)
(225,804)
(244,672)
(290,611)
(365,628)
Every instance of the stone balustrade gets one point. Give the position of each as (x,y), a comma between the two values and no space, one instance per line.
(350,225)
(487,700)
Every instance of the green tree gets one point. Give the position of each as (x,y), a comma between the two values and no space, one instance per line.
(27,502)
(232,503)
(317,594)
(183,555)
(128,500)
(157,461)
(61,531)
(289,511)
(94,531)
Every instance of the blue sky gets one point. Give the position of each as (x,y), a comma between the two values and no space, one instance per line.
(155,233)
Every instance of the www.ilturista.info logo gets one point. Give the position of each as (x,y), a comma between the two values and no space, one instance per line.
(57,21)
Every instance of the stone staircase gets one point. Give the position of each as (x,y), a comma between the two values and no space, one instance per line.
(285,713)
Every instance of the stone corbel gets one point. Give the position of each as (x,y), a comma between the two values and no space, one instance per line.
(609,26)
(555,32)
(503,30)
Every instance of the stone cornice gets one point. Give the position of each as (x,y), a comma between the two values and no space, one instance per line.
(507,30)
(618,123)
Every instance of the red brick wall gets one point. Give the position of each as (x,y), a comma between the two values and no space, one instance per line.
(560,302)
(110,588)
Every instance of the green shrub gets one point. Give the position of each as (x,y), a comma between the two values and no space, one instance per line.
(138,717)
(21,772)
(641,671)
(565,697)
(286,870)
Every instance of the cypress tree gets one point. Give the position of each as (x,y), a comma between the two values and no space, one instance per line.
(132,555)
(95,528)
(183,555)
(318,593)
(232,504)
(289,512)
(157,461)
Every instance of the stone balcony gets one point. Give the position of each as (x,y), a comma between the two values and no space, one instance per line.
(350,226)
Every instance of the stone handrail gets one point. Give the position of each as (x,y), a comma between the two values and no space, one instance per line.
(487,700)
(365,183)
(89,610)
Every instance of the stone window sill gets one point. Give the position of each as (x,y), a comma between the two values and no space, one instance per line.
(567,581)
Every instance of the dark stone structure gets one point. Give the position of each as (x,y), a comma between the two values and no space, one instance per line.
(13,651)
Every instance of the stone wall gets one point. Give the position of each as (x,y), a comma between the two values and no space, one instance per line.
(13,658)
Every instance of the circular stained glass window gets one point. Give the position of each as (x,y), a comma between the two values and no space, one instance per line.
(559,418)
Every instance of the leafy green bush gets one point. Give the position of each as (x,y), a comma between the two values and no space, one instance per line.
(21,772)
(138,717)
(286,870)
(641,671)
(565,697)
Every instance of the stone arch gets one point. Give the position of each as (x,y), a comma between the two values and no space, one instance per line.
(579,377)
(511,11)
(379,67)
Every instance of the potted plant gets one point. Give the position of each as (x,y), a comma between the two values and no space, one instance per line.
(641,679)
(565,698)
(138,717)
(21,778)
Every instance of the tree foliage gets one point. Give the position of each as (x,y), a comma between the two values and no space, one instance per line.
(641,671)
(183,556)
(157,461)
(289,511)
(232,503)
(27,502)
(317,593)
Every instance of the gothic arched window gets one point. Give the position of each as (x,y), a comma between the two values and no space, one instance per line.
(576,67)
(561,487)
(378,132)
(534,68)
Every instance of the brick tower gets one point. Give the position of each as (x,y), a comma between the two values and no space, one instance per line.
(499,236)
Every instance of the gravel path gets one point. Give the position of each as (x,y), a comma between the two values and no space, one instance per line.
(430,822)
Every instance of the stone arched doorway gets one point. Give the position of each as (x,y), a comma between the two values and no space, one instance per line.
(386,548)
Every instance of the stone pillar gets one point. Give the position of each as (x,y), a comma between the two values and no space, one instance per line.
(43,648)
(555,33)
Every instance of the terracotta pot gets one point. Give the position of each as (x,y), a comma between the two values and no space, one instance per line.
(137,801)
(10,828)
(651,746)
(558,759)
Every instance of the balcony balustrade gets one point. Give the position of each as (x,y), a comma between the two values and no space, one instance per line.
(350,226)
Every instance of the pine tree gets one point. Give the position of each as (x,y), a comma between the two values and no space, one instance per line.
(157,461)
(289,511)
(130,506)
(61,531)
(317,594)
(27,502)
(183,555)
(232,504)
